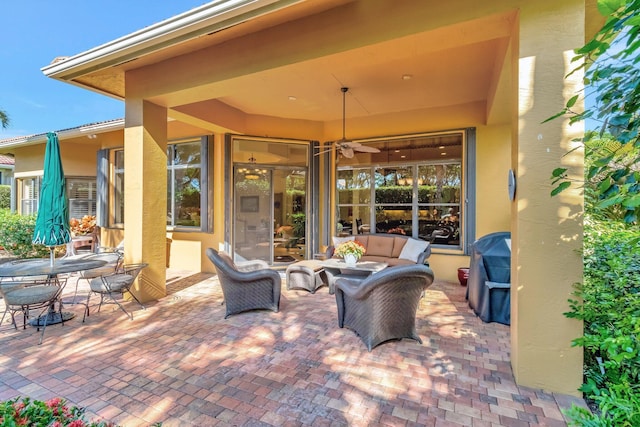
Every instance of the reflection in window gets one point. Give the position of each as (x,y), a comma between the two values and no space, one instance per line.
(186,192)
(183,184)
(417,189)
(118,182)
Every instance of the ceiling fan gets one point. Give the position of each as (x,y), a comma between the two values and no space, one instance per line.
(343,146)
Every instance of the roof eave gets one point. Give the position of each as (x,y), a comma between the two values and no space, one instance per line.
(86,130)
(211,17)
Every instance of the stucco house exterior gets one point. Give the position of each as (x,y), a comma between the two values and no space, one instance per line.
(232,110)
(6,169)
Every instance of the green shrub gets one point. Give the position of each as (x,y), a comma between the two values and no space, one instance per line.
(16,232)
(610,309)
(5,196)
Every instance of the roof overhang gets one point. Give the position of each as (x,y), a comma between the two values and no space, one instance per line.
(209,18)
(85,130)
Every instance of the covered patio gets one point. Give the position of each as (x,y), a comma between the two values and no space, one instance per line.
(180,363)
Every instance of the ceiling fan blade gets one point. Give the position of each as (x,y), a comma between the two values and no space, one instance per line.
(365,149)
(347,152)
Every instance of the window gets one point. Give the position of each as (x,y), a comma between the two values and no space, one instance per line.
(118,187)
(80,191)
(29,195)
(186,185)
(413,187)
(82,197)
(184,175)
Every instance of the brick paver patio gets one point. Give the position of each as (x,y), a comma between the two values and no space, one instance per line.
(180,363)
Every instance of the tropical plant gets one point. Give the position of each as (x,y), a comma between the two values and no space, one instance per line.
(350,248)
(612,60)
(299,224)
(608,302)
(4,119)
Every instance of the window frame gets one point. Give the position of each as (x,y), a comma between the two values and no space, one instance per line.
(20,181)
(204,165)
(467,181)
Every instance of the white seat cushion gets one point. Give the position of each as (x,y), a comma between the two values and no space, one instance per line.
(340,240)
(412,249)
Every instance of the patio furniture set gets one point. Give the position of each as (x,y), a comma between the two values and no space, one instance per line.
(377,297)
(37,284)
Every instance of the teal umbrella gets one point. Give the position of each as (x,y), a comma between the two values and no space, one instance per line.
(52,223)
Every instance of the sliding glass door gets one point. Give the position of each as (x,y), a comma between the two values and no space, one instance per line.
(269,201)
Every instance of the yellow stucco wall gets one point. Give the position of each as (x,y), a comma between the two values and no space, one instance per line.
(546,231)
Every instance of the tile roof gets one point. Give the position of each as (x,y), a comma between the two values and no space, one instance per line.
(38,136)
(7,160)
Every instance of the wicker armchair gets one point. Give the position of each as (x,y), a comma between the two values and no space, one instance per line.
(247,286)
(383,307)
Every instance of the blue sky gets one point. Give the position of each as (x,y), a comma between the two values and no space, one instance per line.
(33,32)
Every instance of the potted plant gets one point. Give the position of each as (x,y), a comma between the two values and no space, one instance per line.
(350,251)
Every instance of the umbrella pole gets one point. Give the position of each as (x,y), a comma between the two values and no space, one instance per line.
(52,255)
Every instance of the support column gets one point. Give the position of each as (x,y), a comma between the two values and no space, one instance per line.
(546,231)
(145,166)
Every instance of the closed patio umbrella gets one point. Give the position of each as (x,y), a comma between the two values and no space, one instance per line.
(52,223)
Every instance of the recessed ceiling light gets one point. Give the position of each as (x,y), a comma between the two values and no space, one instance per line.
(403,157)
(396,151)
(292,98)
(443,154)
(441,147)
(406,77)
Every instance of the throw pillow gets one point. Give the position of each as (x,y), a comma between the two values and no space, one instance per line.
(412,249)
(339,240)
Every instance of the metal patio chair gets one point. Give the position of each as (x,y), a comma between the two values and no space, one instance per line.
(117,283)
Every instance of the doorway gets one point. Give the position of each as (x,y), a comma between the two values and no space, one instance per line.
(269,201)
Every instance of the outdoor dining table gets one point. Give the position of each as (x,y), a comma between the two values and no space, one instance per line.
(43,267)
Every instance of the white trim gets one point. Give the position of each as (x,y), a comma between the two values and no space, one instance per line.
(76,132)
(29,174)
(214,16)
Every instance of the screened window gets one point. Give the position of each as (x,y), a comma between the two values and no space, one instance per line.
(412,187)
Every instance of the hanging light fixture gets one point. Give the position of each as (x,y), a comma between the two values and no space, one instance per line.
(252,174)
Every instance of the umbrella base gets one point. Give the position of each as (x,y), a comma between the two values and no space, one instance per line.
(52,318)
